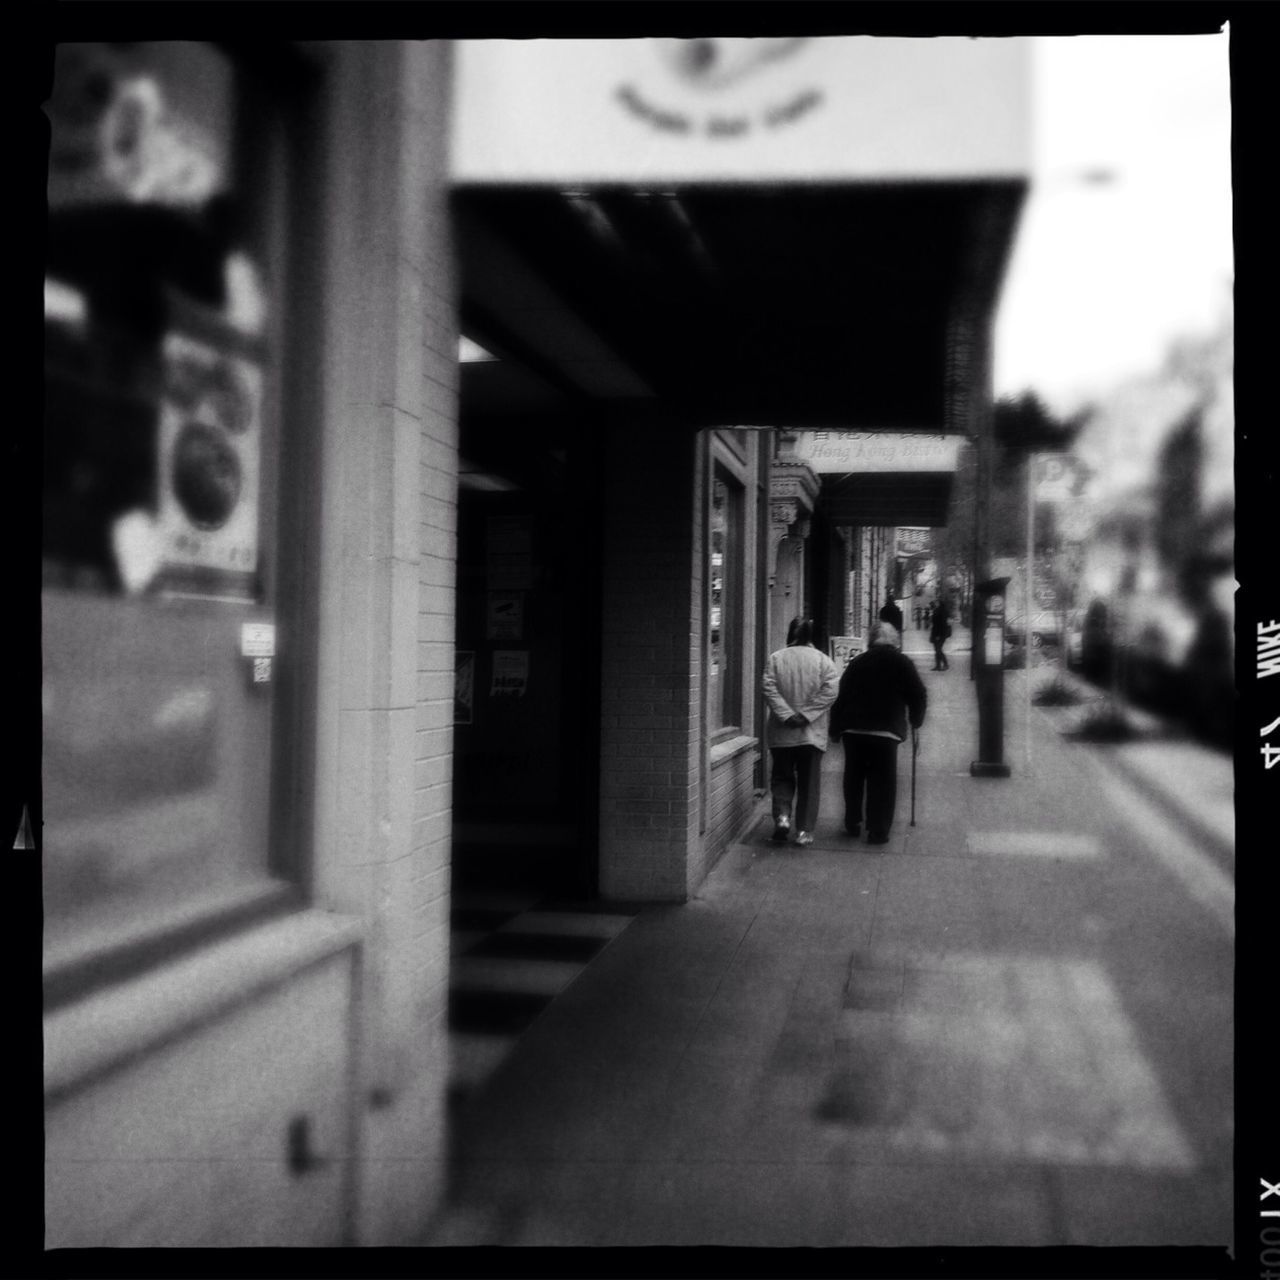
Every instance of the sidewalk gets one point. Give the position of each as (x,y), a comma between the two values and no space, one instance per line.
(1010,1026)
(1183,775)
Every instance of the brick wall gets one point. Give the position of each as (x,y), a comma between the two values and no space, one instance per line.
(651,652)
(731,804)
(387,601)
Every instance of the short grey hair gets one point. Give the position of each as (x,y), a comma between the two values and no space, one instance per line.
(884,633)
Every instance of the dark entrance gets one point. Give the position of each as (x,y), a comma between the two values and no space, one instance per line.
(526,739)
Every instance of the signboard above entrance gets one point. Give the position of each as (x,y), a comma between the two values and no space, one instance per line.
(820,109)
(828,452)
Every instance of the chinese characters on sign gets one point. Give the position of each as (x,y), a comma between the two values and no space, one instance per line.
(877,451)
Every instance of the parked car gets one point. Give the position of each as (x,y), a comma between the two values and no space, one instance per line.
(1045,628)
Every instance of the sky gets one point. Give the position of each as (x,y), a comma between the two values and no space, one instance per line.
(1105,274)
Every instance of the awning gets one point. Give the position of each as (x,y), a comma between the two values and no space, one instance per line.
(766,233)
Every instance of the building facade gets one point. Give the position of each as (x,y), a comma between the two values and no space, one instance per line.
(335,623)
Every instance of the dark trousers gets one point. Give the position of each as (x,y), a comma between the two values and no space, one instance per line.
(796,776)
(940,662)
(870,766)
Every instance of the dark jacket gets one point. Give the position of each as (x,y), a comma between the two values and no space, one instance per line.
(880,689)
(940,624)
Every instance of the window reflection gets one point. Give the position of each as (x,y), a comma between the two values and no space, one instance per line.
(723,605)
(158,465)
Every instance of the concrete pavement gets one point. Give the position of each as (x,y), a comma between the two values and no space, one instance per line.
(1010,1026)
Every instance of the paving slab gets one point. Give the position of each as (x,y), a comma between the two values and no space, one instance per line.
(1009,1026)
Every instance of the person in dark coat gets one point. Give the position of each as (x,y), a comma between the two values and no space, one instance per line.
(880,692)
(892,614)
(939,634)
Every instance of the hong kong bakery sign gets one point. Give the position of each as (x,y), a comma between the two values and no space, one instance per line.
(850,451)
(801,109)
(734,76)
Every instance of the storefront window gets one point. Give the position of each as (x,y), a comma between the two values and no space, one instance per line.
(724,574)
(160,466)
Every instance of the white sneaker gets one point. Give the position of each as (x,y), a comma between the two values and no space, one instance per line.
(804,837)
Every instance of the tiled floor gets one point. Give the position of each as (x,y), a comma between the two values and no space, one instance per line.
(512,955)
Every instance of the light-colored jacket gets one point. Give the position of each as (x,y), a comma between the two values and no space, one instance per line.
(799,679)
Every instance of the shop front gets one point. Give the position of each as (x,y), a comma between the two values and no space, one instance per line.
(335,623)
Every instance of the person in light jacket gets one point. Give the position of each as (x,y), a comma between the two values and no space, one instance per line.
(880,691)
(800,684)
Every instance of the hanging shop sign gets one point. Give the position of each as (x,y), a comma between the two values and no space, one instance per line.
(878,451)
(831,108)
(912,542)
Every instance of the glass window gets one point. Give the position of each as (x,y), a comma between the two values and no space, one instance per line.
(160,464)
(724,575)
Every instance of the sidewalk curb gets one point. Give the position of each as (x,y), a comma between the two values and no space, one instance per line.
(1224,851)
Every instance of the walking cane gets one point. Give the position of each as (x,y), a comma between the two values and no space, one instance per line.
(915,751)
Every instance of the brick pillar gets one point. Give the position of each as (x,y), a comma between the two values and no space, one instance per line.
(651,652)
(385,689)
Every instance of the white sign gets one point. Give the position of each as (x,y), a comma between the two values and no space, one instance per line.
(845,648)
(878,451)
(993,645)
(506,615)
(257,640)
(828,108)
(1055,476)
(510,673)
(1074,522)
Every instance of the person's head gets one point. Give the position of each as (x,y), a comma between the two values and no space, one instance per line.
(883,633)
(800,631)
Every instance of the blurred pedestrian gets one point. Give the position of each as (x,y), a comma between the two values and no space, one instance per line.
(891,613)
(799,684)
(939,634)
(880,692)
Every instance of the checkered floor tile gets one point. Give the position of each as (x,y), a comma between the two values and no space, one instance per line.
(511,956)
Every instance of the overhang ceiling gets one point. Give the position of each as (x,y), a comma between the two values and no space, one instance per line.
(890,499)
(731,304)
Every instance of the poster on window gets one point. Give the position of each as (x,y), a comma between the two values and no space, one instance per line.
(209,457)
(506,615)
(509,555)
(510,673)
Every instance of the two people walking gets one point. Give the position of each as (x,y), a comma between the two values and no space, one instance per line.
(867,707)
